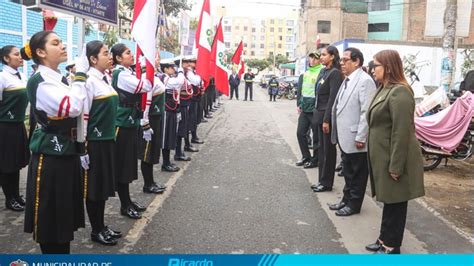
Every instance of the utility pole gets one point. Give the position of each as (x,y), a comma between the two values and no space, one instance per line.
(449,38)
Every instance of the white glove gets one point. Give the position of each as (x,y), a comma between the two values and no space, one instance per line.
(82,64)
(178,117)
(85,161)
(142,61)
(147,133)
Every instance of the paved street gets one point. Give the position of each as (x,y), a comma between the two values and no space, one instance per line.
(242,194)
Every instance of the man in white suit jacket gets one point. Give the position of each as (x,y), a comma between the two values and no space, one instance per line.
(350,130)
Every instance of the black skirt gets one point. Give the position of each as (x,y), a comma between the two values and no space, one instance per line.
(100,178)
(193,116)
(150,151)
(54,198)
(14,150)
(126,164)
(170,126)
(183,126)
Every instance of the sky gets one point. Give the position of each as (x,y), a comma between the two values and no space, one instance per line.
(251,8)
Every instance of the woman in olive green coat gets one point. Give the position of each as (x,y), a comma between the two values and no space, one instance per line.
(395,160)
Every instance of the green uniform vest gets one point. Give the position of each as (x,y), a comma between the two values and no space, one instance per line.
(308,89)
(13,105)
(127,115)
(102,117)
(157,104)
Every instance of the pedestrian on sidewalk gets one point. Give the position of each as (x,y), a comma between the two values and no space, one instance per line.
(14,151)
(350,130)
(327,87)
(395,160)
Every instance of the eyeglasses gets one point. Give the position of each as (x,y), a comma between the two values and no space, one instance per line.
(344,60)
(375,65)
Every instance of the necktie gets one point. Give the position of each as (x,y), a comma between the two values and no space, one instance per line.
(344,88)
(64,80)
(105,79)
(18,75)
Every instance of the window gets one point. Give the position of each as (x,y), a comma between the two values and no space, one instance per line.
(227,28)
(289,30)
(280,38)
(290,23)
(272,45)
(379,5)
(272,29)
(262,46)
(324,26)
(237,27)
(227,44)
(287,54)
(254,29)
(262,30)
(280,29)
(379,27)
(279,46)
(289,39)
(252,45)
(262,38)
(272,21)
(252,53)
(246,28)
(245,45)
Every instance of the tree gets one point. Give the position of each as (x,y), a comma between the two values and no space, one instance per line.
(110,36)
(277,60)
(449,36)
(259,64)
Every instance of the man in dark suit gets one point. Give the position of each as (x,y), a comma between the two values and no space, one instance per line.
(350,130)
(234,82)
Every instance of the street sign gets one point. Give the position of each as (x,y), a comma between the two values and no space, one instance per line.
(104,11)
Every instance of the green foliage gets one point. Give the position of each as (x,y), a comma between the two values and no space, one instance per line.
(110,37)
(468,63)
(259,64)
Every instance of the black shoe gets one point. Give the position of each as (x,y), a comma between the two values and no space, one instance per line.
(209,116)
(130,212)
(251,100)
(340,173)
(384,250)
(21,200)
(14,205)
(337,206)
(197,141)
(170,168)
(346,211)
(103,238)
(245,100)
(182,158)
(315,186)
(310,164)
(138,207)
(112,233)
(339,168)
(374,247)
(302,161)
(204,120)
(321,188)
(190,149)
(153,189)
(160,186)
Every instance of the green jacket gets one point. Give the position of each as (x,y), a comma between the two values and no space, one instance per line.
(393,146)
(308,91)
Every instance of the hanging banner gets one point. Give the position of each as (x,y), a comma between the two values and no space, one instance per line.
(104,11)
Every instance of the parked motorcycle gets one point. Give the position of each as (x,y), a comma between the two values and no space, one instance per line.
(287,90)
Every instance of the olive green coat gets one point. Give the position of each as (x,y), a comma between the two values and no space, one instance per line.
(393,146)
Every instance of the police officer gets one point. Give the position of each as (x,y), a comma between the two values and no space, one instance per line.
(248,78)
(173,83)
(273,88)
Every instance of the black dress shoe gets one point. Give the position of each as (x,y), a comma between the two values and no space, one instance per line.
(204,120)
(190,149)
(337,206)
(310,164)
(138,207)
(160,186)
(153,189)
(346,211)
(321,188)
(14,205)
(302,161)
(339,168)
(340,173)
(197,141)
(182,158)
(103,238)
(384,250)
(113,233)
(315,186)
(170,168)
(130,212)
(21,200)
(374,247)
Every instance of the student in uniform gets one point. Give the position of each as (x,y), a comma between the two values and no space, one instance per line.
(149,151)
(54,199)
(129,114)
(195,120)
(14,152)
(100,112)
(173,84)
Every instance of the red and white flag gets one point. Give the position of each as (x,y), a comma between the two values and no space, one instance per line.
(241,68)
(236,58)
(204,38)
(144,23)
(221,75)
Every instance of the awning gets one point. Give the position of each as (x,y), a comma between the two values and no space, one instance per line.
(288,66)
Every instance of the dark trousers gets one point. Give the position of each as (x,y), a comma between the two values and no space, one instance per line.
(234,90)
(305,123)
(249,88)
(327,158)
(394,218)
(273,97)
(356,173)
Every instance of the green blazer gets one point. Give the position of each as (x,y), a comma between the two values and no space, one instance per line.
(393,146)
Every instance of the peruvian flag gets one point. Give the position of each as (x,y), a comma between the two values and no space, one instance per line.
(238,54)
(241,69)
(204,43)
(221,76)
(144,23)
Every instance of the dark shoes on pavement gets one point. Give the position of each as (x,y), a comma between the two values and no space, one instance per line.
(302,161)
(103,238)
(337,206)
(190,149)
(374,247)
(197,141)
(182,158)
(14,205)
(339,168)
(310,164)
(154,189)
(320,188)
(384,250)
(130,212)
(170,168)
(346,211)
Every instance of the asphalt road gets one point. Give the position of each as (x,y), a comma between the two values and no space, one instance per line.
(242,194)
